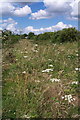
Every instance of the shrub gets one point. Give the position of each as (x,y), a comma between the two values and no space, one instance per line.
(30,35)
(23,36)
(69,34)
(8,38)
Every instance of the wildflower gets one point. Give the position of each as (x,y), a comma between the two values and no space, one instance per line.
(47,70)
(26,52)
(69,56)
(21,52)
(49,59)
(37,81)
(77,55)
(36,45)
(62,97)
(54,45)
(35,51)
(25,56)
(50,65)
(24,72)
(54,80)
(69,98)
(77,69)
(16,59)
(75,82)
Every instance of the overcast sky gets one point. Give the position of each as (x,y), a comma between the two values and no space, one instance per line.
(39,17)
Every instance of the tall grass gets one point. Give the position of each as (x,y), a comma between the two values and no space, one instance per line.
(28,92)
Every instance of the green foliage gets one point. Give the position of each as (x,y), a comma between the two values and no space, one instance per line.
(44,36)
(23,36)
(30,35)
(8,38)
(6,32)
(69,34)
(65,35)
(56,37)
(32,94)
(11,39)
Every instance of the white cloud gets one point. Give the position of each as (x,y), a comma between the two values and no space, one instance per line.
(9,24)
(75,13)
(56,27)
(11,27)
(9,20)
(7,8)
(69,8)
(53,8)
(41,14)
(22,11)
(57,5)
(10,9)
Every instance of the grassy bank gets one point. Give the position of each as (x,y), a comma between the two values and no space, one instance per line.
(38,80)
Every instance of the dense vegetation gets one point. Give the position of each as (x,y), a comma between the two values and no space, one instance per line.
(40,80)
(65,35)
(8,39)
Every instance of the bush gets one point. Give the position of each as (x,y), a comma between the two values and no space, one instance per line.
(44,36)
(56,36)
(31,35)
(65,35)
(8,38)
(23,36)
(14,39)
(69,34)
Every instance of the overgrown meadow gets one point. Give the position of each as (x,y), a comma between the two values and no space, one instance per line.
(40,78)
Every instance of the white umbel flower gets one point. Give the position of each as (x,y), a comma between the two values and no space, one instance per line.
(50,65)
(75,82)
(69,98)
(36,45)
(47,70)
(25,56)
(24,72)
(77,69)
(55,80)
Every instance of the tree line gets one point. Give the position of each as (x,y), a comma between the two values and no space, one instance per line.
(64,35)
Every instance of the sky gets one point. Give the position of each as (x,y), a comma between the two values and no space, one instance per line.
(39,17)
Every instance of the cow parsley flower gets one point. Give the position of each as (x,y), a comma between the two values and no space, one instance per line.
(55,80)
(50,65)
(24,72)
(75,82)
(47,70)
(36,45)
(69,98)
(25,56)
(77,69)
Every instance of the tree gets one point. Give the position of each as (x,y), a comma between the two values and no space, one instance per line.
(30,35)
(69,34)
(23,36)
